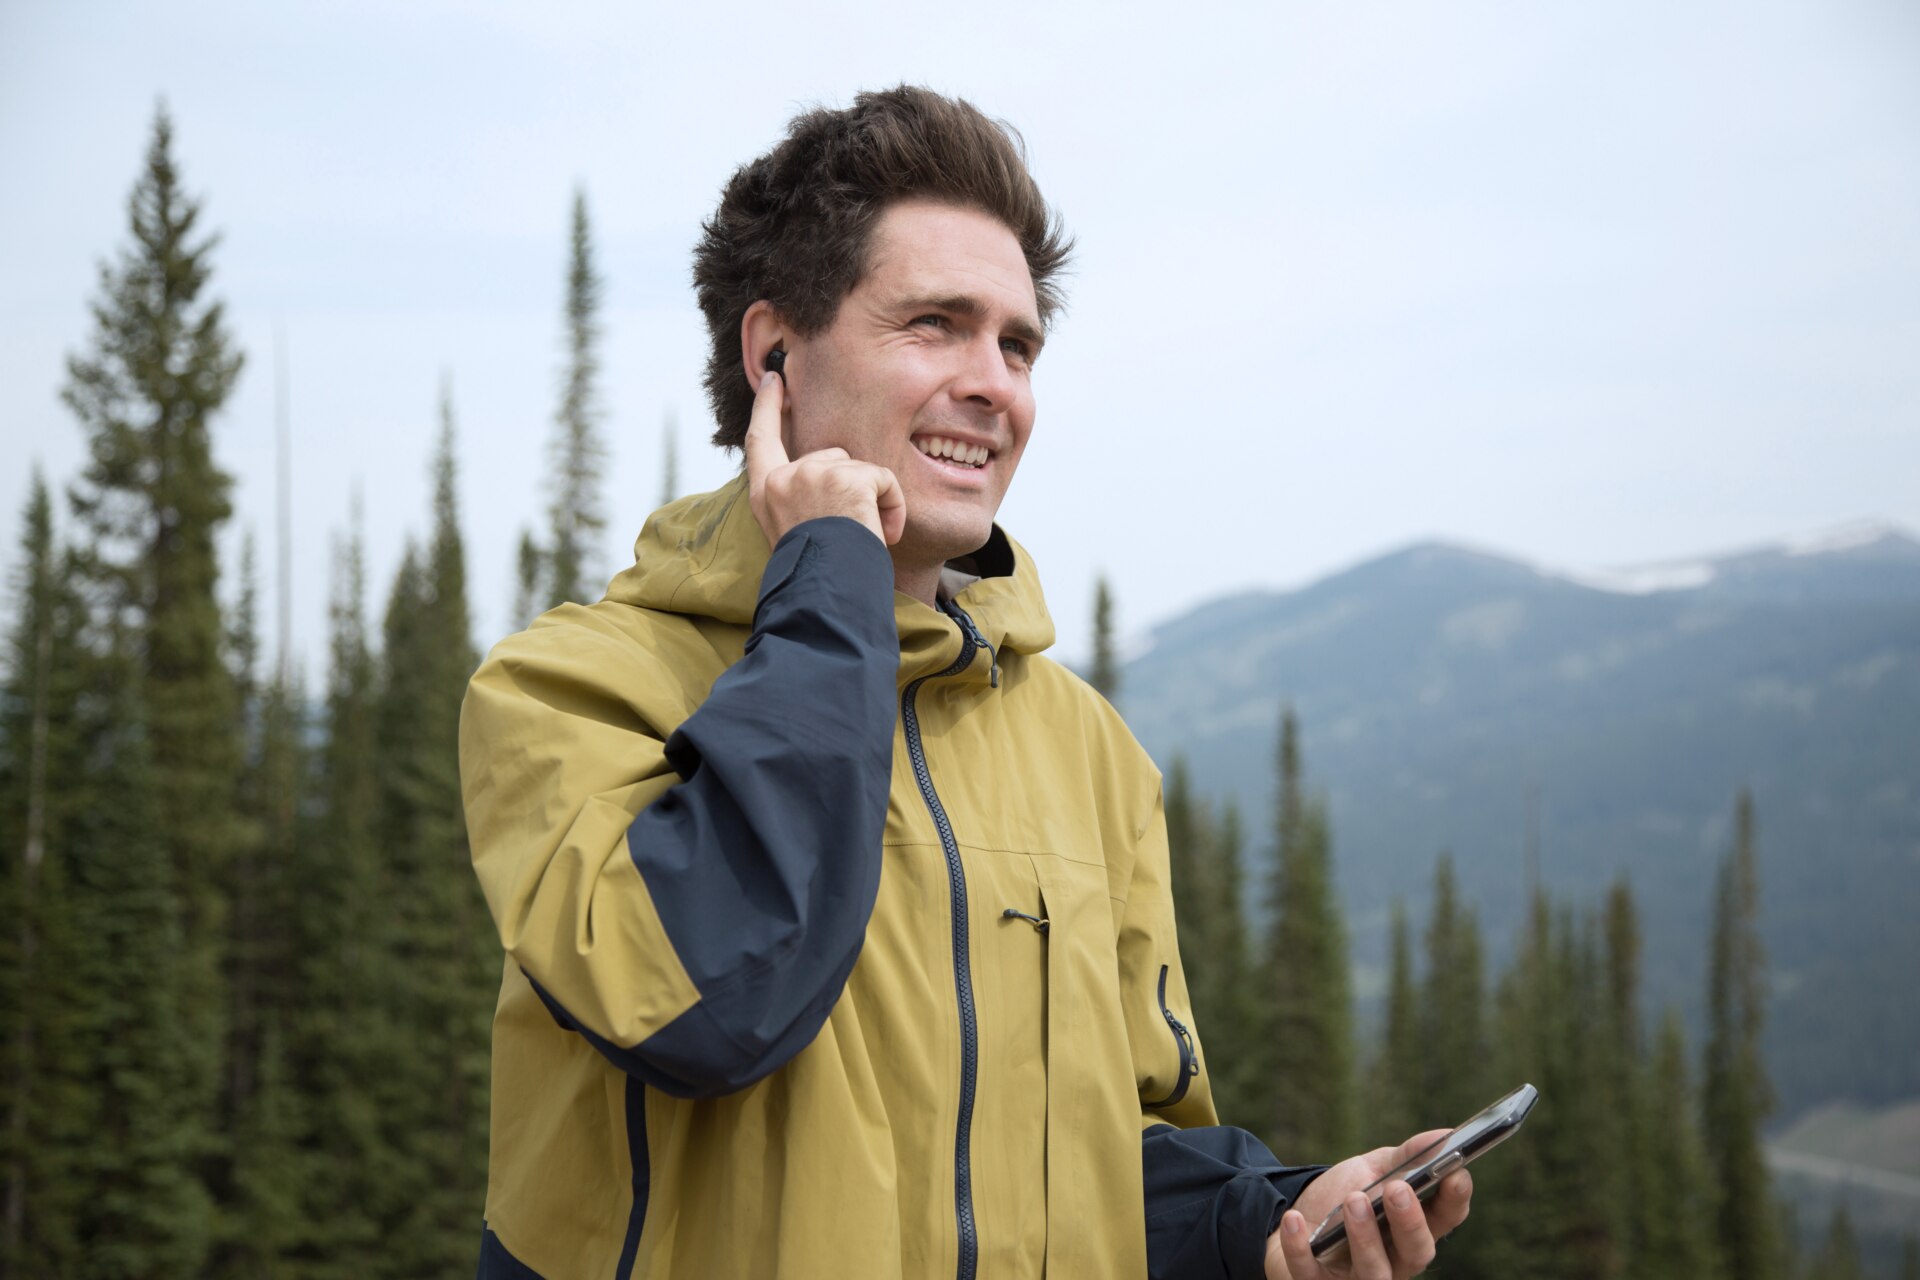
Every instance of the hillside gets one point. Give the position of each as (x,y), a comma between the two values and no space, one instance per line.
(1437,685)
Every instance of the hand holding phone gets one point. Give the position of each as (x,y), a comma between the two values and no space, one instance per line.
(1424,1171)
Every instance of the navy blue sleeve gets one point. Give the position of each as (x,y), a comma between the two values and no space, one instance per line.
(764,860)
(1214,1195)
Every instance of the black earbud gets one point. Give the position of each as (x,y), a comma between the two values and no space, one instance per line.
(777,362)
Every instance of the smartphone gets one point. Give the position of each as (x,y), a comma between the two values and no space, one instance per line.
(1424,1171)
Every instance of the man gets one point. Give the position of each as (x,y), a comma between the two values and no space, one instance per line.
(839,941)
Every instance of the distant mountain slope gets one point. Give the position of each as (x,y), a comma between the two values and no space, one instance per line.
(1435,685)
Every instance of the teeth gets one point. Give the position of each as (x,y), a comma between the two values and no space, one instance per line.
(967,455)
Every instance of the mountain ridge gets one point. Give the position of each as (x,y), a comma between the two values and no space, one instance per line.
(1438,685)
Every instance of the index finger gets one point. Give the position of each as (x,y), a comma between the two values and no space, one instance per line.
(764,449)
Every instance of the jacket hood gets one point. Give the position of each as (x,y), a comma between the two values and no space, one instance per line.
(703,555)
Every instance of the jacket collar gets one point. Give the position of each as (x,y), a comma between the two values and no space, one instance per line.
(703,555)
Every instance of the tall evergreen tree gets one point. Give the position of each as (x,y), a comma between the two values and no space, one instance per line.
(447,955)
(1208,916)
(1624,1077)
(1309,1045)
(1523,1222)
(1673,1187)
(669,461)
(345,1035)
(1839,1255)
(1737,1094)
(1394,1105)
(1186,836)
(576,515)
(44,793)
(263,1222)
(529,572)
(144,1209)
(160,365)
(1452,1015)
(1106,666)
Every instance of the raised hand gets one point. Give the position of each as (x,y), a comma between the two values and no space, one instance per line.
(827,482)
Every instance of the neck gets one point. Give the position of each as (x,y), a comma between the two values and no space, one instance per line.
(922,582)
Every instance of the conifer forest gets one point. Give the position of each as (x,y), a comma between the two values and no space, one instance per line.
(247,975)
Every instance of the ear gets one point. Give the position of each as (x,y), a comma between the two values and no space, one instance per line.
(761,331)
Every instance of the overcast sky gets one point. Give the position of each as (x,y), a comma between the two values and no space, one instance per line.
(1591,285)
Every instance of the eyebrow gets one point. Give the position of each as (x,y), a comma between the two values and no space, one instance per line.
(962,304)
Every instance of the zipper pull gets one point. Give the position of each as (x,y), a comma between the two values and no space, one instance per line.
(1014,913)
(973,635)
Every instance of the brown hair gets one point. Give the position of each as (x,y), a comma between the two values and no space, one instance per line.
(794,227)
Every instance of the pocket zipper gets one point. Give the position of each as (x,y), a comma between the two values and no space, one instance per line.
(1189,1060)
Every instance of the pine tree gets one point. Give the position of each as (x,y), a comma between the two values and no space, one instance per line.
(263,1219)
(1448,1066)
(1237,1005)
(1186,838)
(529,572)
(446,954)
(1737,1094)
(1839,1256)
(159,367)
(1518,1224)
(1309,1048)
(1625,1077)
(343,1035)
(1208,917)
(1395,1108)
(579,456)
(144,1209)
(669,462)
(1452,1016)
(43,790)
(1106,667)
(1673,1187)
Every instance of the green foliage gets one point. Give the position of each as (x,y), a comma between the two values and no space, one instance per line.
(1394,1105)
(577,515)
(1737,1095)
(159,366)
(1308,1063)
(44,756)
(1106,664)
(1211,923)
(669,462)
(1839,1254)
(442,954)
(343,1034)
(145,1209)
(1452,1021)
(1672,1190)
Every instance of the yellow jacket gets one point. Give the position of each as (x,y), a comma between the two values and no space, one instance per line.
(839,966)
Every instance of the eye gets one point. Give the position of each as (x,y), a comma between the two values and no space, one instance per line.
(1019,348)
(937,321)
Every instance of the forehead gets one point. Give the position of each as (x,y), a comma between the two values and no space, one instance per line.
(924,247)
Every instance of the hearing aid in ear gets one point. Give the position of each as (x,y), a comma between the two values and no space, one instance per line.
(777,362)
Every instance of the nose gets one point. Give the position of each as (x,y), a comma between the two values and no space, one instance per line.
(985,379)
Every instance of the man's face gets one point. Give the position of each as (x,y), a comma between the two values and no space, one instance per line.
(927,370)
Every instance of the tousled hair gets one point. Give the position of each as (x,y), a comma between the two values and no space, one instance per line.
(796,225)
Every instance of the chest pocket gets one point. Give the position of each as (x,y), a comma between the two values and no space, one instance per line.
(1093,1108)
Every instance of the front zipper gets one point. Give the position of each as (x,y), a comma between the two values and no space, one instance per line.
(1183,1038)
(962,969)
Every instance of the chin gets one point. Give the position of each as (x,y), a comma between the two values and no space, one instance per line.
(947,539)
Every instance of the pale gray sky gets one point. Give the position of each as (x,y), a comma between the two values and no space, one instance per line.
(1589,284)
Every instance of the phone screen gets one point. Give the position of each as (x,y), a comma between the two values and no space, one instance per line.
(1424,1172)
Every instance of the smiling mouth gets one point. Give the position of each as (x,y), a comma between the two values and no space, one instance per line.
(957,452)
